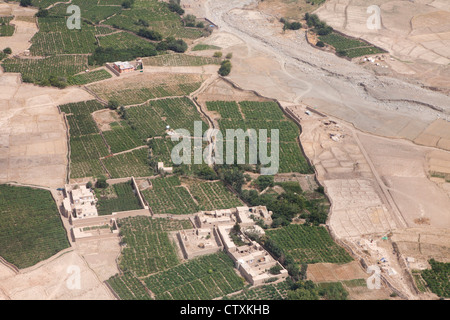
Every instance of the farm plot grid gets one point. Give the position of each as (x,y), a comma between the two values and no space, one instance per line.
(89,77)
(247,115)
(172,196)
(122,137)
(41,69)
(202,278)
(351,48)
(167,196)
(133,163)
(179,60)
(31,229)
(308,244)
(148,247)
(213,195)
(151,119)
(128,287)
(121,197)
(144,86)
(123,40)
(276,291)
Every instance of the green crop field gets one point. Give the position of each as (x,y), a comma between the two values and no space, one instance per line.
(201,46)
(123,40)
(119,197)
(213,195)
(31,229)
(128,287)
(89,77)
(148,247)
(144,86)
(352,48)
(151,119)
(134,163)
(158,17)
(203,278)
(256,115)
(276,291)
(85,154)
(179,60)
(168,196)
(40,69)
(308,244)
(6,30)
(85,107)
(438,278)
(122,137)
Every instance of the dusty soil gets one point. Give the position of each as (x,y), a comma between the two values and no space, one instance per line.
(25,27)
(54,280)
(33,141)
(416,33)
(329,272)
(104,118)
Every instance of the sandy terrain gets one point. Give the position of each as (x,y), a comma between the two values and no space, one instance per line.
(54,280)
(24,30)
(32,132)
(418,38)
(329,272)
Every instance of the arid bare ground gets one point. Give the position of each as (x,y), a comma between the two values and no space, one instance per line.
(67,276)
(416,33)
(33,141)
(24,30)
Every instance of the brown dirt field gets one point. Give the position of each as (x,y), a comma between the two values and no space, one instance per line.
(104,118)
(33,141)
(50,281)
(437,134)
(328,272)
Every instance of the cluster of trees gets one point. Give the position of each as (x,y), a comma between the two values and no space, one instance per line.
(150,34)
(190,21)
(25,3)
(174,6)
(170,43)
(127,4)
(225,68)
(206,172)
(103,55)
(290,25)
(42,13)
(307,290)
(320,27)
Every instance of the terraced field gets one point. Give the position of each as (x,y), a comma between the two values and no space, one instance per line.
(179,60)
(119,197)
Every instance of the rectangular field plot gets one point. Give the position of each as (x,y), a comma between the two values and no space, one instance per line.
(151,119)
(248,115)
(40,69)
(128,287)
(276,291)
(122,137)
(88,77)
(116,198)
(144,86)
(351,48)
(85,152)
(63,42)
(178,60)
(168,196)
(214,195)
(148,246)
(31,229)
(123,40)
(81,124)
(202,278)
(308,244)
(6,30)
(134,163)
(85,107)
